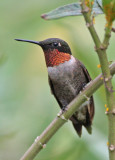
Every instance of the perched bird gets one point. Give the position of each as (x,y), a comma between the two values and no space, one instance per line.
(67,77)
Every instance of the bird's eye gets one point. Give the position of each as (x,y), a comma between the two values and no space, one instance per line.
(55,44)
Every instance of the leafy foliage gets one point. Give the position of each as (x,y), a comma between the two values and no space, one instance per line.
(73,9)
(109,9)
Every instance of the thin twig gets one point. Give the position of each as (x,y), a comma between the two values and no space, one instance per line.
(40,141)
(101,50)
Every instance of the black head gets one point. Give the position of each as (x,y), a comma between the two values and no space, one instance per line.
(51,43)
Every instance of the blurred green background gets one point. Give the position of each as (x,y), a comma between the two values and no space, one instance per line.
(26,104)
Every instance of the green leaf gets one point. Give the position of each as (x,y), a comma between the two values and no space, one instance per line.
(109,9)
(73,9)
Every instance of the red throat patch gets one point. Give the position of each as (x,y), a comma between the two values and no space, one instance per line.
(54,57)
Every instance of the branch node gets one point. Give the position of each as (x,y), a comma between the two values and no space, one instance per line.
(89,24)
(112,147)
(36,140)
(86,10)
(96,49)
(59,114)
(103,47)
(42,145)
(63,118)
(106,79)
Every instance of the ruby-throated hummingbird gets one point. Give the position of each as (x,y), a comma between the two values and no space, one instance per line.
(67,77)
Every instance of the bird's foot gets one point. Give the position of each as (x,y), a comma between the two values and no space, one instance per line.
(64,109)
(60,114)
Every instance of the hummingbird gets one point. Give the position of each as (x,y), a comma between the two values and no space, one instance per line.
(67,77)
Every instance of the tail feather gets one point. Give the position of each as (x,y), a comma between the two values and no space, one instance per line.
(89,129)
(87,123)
(78,128)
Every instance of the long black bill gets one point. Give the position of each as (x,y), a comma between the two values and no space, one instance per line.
(30,41)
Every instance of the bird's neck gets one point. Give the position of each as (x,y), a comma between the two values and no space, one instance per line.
(54,57)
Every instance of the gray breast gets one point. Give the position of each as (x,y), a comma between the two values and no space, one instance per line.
(67,80)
